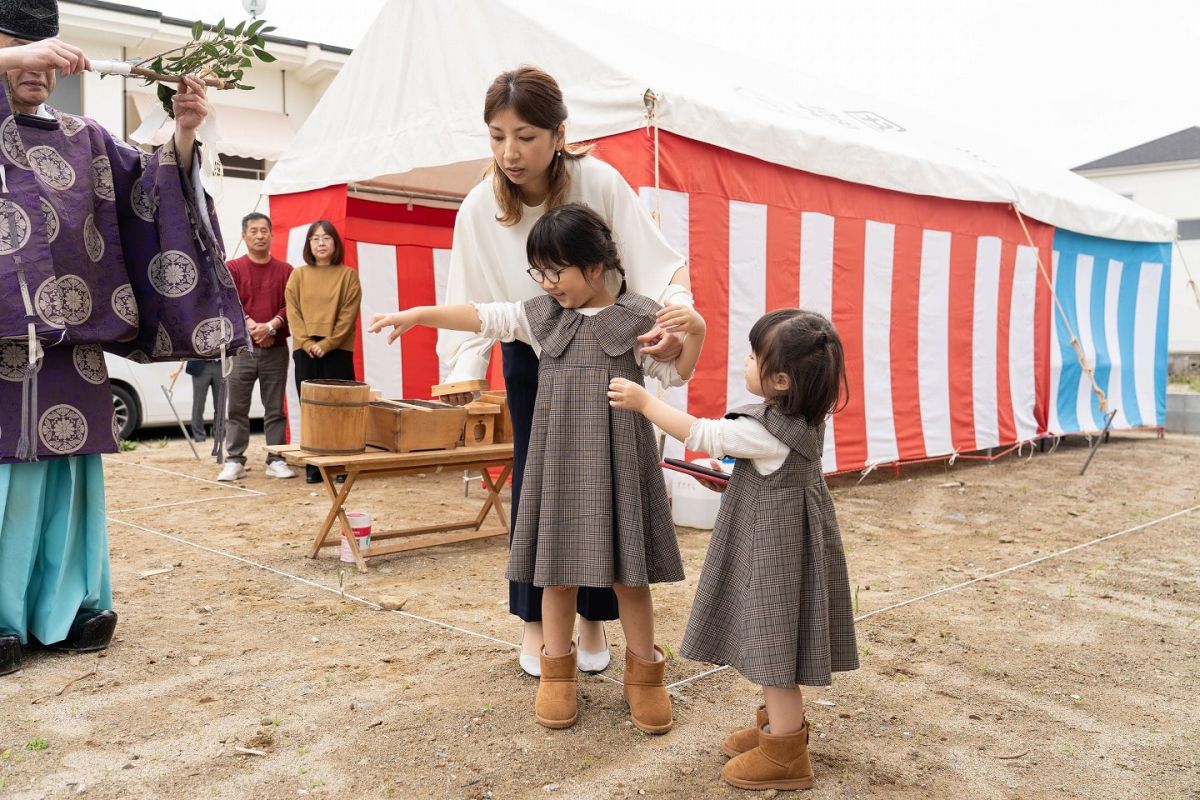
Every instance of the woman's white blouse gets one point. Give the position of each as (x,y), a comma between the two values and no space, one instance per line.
(741,437)
(488,261)
(507,321)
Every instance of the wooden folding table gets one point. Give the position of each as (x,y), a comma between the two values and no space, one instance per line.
(377,463)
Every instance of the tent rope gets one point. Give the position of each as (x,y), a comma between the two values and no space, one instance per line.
(1187,270)
(1080,355)
(650,99)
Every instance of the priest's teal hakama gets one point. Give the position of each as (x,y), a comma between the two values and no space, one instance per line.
(102,248)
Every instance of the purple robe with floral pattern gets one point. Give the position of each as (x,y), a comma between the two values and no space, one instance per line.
(102,247)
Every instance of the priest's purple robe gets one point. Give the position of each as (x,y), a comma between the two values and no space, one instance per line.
(102,247)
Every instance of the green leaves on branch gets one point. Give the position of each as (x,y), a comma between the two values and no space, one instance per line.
(217,52)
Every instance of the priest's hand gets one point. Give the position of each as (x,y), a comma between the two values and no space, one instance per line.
(191,108)
(43,56)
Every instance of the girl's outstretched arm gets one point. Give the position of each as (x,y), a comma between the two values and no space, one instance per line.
(456,318)
(624,393)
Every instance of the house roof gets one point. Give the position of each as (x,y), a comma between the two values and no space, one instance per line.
(1182,145)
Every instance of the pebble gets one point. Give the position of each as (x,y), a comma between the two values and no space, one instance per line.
(195,660)
(550,787)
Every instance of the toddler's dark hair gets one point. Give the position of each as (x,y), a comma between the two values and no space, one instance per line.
(572,235)
(805,347)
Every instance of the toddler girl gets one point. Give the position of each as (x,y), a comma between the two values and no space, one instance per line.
(774,597)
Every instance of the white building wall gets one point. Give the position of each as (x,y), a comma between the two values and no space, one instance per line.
(1174,192)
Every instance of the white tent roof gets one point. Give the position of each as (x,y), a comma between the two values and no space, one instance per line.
(406,113)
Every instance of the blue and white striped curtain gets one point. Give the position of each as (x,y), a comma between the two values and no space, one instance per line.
(1115,295)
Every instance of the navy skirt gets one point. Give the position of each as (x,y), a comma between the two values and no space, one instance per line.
(521,381)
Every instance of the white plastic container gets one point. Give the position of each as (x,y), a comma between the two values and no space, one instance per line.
(692,505)
(360,523)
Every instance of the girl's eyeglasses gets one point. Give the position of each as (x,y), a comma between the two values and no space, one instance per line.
(549,276)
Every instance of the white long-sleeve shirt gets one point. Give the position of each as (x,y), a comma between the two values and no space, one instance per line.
(741,437)
(488,261)
(508,322)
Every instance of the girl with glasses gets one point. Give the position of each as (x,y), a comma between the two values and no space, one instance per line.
(594,509)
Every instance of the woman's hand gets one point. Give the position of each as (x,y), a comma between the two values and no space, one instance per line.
(680,319)
(459,399)
(624,393)
(661,345)
(316,351)
(43,56)
(399,321)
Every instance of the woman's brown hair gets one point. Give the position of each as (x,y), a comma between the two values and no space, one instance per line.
(534,96)
(339,252)
(804,346)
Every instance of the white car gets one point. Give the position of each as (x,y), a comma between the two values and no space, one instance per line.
(139,400)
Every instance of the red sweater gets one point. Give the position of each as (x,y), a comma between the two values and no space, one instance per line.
(261,288)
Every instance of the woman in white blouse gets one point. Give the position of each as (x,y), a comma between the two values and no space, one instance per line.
(533,170)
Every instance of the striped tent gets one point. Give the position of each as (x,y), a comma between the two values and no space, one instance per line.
(981,307)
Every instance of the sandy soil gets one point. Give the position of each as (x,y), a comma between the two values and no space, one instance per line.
(1073,677)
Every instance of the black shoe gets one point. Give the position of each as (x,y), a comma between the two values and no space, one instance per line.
(199,439)
(312,475)
(91,630)
(11,658)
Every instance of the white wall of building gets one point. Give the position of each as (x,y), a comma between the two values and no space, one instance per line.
(1173,190)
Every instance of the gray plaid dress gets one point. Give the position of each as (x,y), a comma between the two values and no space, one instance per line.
(774,597)
(594,508)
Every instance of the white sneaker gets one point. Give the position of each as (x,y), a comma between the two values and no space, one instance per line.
(530,665)
(279,469)
(232,471)
(592,662)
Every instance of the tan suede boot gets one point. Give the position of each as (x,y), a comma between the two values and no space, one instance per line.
(739,742)
(557,705)
(646,693)
(779,762)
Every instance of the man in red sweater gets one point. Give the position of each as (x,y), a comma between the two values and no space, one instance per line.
(260,280)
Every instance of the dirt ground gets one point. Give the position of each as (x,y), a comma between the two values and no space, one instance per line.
(1075,677)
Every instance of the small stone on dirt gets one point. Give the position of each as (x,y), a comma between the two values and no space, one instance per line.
(389,602)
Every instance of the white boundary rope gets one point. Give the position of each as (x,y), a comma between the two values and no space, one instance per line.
(255,492)
(486,637)
(323,587)
(988,577)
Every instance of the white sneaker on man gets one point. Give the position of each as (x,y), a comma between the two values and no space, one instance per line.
(279,469)
(232,471)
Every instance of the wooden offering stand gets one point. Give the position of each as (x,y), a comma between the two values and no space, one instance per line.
(458,387)
(406,437)
(404,426)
